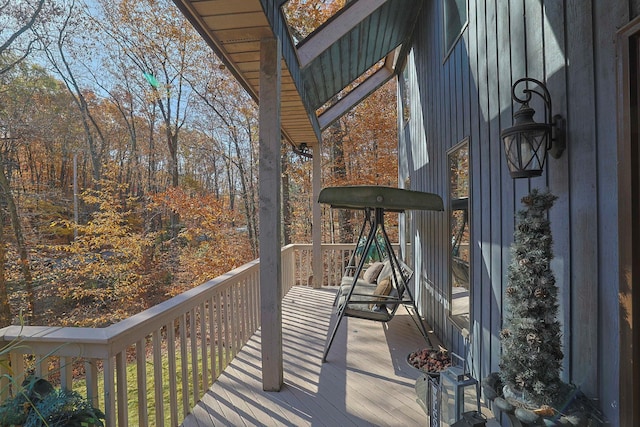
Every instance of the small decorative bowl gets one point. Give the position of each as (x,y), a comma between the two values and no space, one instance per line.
(429,361)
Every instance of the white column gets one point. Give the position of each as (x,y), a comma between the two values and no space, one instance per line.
(270,218)
(316,233)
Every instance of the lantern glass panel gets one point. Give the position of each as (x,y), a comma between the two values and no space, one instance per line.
(526,151)
(459,395)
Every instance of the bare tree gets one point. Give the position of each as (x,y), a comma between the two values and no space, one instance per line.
(19,17)
(56,48)
(236,112)
(154,38)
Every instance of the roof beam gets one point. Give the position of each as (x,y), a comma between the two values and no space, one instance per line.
(335,29)
(356,96)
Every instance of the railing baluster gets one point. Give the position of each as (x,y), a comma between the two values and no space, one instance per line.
(42,367)
(218,300)
(233,308)
(298,262)
(193,341)
(157,377)
(238,312)
(184,361)
(227,313)
(109,391)
(173,372)
(245,310)
(256,300)
(5,373)
(256,275)
(141,377)
(203,349)
(121,375)
(17,366)
(250,304)
(66,373)
(212,339)
(91,375)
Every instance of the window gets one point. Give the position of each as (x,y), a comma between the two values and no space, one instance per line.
(455,21)
(408,227)
(405,99)
(459,229)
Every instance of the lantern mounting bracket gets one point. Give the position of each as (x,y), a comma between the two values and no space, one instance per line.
(556,142)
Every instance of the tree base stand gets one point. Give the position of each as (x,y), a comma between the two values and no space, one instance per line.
(575,409)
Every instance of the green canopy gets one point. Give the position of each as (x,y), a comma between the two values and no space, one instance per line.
(374,196)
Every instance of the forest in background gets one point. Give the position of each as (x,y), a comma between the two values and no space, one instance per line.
(128,159)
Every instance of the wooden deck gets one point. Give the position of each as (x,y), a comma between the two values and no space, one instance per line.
(366,380)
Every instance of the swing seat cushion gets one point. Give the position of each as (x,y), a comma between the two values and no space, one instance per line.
(367,284)
(378,313)
(368,299)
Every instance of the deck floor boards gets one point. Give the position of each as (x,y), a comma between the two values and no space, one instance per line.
(366,380)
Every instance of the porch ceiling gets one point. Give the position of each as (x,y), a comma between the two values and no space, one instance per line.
(347,46)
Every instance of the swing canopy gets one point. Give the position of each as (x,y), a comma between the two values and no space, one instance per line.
(373,196)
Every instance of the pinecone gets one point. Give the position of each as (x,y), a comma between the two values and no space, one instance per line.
(533,339)
(541,293)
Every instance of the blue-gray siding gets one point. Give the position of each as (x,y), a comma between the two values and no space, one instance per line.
(570,45)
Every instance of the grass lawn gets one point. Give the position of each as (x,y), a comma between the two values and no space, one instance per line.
(132,388)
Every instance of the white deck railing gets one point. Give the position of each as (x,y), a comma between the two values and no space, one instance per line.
(152,368)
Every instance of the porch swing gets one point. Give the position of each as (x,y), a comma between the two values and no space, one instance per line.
(375,296)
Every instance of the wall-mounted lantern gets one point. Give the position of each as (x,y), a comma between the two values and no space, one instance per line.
(527,142)
(459,394)
(5,132)
(303,150)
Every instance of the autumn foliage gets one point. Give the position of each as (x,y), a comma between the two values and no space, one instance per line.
(129,162)
(211,243)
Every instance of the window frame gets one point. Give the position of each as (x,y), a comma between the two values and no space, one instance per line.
(449,42)
(458,319)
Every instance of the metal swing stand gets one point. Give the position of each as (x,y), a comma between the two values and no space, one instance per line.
(356,298)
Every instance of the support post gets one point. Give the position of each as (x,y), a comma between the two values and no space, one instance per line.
(270,218)
(316,232)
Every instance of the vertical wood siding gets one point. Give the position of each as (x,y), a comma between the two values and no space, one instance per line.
(569,44)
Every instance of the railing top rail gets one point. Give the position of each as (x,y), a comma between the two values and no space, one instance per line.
(114,338)
(104,342)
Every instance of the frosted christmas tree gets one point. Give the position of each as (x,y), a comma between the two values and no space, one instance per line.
(531,347)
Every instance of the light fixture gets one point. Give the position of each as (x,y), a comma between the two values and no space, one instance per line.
(303,150)
(459,395)
(5,132)
(527,142)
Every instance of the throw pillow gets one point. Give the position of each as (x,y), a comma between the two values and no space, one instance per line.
(384,288)
(371,274)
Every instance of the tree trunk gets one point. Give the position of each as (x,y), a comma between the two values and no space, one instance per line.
(172,143)
(64,70)
(245,198)
(286,203)
(345,229)
(7,196)
(230,178)
(5,308)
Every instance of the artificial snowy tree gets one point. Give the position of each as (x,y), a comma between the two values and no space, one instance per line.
(531,348)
